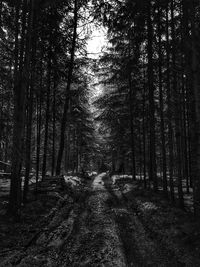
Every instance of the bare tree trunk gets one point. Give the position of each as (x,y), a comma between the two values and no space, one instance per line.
(131,117)
(169,113)
(46,137)
(39,119)
(66,105)
(144,139)
(177,112)
(67,150)
(54,128)
(185,137)
(196,118)
(186,83)
(29,109)
(15,187)
(152,166)
(20,85)
(162,124)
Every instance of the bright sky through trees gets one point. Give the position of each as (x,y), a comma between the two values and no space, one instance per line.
(95,46)
(96,42)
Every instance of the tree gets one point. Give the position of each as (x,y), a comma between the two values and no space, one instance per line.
(20,85)
(69,80)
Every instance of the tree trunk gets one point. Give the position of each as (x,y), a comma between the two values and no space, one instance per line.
(196,122)
(177,112)
(144,137)
(46,137)
(67,150)
(54,128)
(39,119)
(18,128)
(131,117)
(169,112)
(29,110)
(162,123)
(66,105)
(20,85)
(152,163)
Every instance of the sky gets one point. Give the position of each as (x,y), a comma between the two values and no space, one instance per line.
(96,42)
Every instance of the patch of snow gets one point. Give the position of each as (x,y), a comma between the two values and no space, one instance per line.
(128,187)
(148,206)
(73,180)
(116,177)
(92,174)
(98,183)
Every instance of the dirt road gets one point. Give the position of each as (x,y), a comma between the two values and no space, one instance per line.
(96,241)
(103,228)
(110,232)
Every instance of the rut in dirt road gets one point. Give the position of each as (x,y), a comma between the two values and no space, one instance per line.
(140,248)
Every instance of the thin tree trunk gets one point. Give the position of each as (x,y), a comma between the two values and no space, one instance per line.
(66,105)
(131,118)
(144,132)
(169,113)
(162,123)
(29,111)
(187,81)
(185,137)
(46,137)
(177,112)
(19,99)
(67,150)
(54,128)
(39,119)
(152,167)
(196,117)
(20,85)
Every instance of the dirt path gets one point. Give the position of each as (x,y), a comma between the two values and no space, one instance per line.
(100,227)
(109,232)
(96,241)
(141,245)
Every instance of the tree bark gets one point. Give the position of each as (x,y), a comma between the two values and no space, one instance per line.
(196,122)
(39,120)
(20,85)
(46,137)
(169,113)
(177,112)
(54,128)
(152,152)
(30,107)
(69,81)
(162,123)
(131,116)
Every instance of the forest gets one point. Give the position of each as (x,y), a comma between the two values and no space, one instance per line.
(100,150)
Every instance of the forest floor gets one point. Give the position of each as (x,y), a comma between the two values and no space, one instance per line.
(103,222)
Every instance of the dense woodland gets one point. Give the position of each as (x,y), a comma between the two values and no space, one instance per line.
(44,90)
(150,101)
(146,121)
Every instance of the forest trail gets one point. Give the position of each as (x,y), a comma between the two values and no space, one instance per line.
(111,233)
(102,225)
(96,241)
